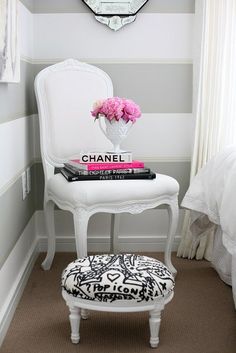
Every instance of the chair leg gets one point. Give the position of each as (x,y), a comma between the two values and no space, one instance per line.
(81,218)
(74,323)
(173,211)
(84,314)
(50,229)
(115,223)
(154,323)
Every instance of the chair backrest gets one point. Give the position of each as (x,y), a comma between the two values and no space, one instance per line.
(65,94)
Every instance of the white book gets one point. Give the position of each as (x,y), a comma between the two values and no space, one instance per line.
(106,157)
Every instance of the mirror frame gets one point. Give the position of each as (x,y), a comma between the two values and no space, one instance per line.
(115,19)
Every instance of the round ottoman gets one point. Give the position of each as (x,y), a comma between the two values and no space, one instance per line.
(117,283)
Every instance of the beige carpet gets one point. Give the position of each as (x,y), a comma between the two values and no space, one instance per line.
(200,319)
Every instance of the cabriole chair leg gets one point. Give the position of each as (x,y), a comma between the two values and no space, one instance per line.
(50,228)
(173,212)
(81,219)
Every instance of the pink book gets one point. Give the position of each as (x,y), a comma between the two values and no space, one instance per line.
(75,163)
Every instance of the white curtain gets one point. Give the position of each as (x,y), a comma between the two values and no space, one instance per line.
(214,98)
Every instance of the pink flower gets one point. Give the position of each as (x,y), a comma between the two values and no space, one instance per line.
(116,108)
(96,108)
(98,104)
(112,108)
(131,111)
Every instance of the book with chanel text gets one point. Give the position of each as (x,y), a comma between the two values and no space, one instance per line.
(105,157)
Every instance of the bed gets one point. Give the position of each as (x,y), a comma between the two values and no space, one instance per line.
(211,199)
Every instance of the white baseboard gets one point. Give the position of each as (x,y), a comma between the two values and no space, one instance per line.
(145,232)
(14,275)
(102,244)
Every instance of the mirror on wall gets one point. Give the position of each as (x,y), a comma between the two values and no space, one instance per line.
(115,13)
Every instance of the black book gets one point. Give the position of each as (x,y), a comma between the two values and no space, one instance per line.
(75,171)
(75,177)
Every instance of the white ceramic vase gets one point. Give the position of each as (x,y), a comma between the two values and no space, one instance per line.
(115,131)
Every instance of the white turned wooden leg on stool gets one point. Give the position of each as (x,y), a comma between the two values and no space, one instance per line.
(50,229)
(84,314)
(173,211)
(154,323)
(74,323)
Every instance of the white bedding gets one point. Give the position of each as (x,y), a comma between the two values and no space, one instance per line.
(213,193)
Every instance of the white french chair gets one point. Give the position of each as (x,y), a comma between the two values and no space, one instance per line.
(65,94)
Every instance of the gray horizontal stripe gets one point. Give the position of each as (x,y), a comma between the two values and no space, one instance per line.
(16,99)
(157,88)
(39,191)
(66,6)
(178,170)
(15,214)
(29,4)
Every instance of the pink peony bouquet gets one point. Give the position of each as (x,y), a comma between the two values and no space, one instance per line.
(116,108)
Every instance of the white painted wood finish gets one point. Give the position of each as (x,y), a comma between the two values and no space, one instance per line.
(155,308)
(58,85)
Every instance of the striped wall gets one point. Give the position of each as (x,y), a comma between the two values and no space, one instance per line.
(149,61)
(16,148)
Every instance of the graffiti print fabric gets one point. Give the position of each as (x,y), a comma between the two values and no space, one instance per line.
(107,278)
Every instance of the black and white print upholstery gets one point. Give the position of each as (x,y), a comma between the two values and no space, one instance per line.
(107,278)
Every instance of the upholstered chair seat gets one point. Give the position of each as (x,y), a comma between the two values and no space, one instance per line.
(106,192)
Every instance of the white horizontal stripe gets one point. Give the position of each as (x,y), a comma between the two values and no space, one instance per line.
(16,150)
(151,36)
(154,137)
(161,136)
(41,38)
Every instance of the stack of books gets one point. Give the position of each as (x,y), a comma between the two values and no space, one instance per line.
(105,166)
